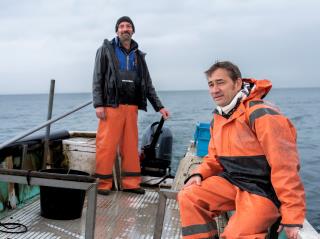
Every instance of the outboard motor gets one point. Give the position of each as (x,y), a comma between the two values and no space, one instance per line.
(156,150)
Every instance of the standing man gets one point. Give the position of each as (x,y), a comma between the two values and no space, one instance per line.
(121,86)
(252,165)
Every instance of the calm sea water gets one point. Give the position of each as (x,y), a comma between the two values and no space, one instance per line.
(302,106)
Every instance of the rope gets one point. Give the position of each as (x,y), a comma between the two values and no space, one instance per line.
(11,226)
(146,184)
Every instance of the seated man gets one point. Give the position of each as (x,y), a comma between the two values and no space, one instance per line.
(251,167)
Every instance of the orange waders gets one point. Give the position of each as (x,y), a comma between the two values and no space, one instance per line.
(253,215)
(119,128)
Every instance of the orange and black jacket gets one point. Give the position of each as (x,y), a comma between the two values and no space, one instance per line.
(255,149)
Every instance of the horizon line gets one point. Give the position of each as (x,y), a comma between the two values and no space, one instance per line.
(88,92)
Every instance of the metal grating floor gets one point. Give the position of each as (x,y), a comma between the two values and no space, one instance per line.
(119,216)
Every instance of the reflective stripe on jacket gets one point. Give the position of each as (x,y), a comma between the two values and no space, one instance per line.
(255,149)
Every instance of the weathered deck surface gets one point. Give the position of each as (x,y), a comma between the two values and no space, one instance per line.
(119,216)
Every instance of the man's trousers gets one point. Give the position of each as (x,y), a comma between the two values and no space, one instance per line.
(253,215)
(118,129)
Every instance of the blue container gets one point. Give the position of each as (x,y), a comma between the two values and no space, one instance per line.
(202,147)
(202,131)
(202,138)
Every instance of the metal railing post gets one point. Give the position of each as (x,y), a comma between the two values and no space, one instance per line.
(91,211)
(24,156)
(46,140)
(164,194)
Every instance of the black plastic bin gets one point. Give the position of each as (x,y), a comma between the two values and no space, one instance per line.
(62,203)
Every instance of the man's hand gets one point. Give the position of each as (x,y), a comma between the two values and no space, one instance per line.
(165,113)
(100,113)
(193,180)
(291,232)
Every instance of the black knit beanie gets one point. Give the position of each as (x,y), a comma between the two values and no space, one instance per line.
(124,19)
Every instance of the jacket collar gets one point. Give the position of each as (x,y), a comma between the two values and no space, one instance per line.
(258,89)
(133,46)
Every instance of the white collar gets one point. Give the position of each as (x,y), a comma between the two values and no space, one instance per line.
(242,94)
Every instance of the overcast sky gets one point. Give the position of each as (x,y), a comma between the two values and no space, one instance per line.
(273,39)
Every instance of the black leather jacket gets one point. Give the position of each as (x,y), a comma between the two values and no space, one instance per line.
(106,84)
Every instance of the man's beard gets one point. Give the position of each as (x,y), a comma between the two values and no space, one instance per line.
(125,37)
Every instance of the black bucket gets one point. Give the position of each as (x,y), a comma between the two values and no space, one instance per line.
(62,203)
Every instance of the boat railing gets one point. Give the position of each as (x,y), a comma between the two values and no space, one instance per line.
(41,126)
(61,181)
(54,180)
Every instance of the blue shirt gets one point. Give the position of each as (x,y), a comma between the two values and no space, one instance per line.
(126,60)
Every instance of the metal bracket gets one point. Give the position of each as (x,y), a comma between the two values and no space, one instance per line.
(47,179)
(164,194)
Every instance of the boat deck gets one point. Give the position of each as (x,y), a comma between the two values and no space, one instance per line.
(119,215)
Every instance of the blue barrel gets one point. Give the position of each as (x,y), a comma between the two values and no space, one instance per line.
(202,138)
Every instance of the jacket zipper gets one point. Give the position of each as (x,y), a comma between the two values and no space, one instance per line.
(127,62)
